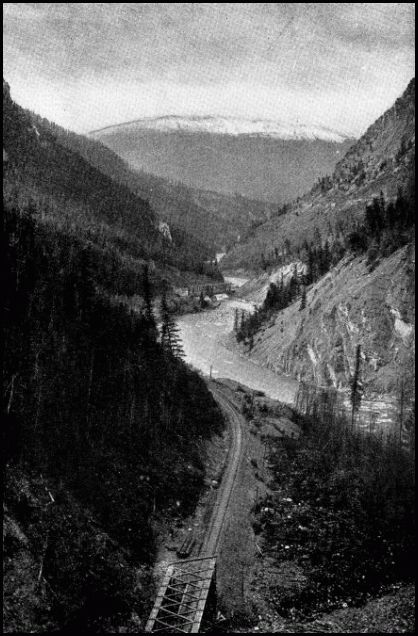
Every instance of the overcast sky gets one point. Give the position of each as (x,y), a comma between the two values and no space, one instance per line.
(89,65)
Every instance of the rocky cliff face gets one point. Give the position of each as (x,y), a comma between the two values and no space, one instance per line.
(358,302)
(351,305)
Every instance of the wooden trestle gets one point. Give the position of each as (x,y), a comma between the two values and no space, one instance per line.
(182,596)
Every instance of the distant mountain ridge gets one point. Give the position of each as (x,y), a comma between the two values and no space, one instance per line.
(263,160)
(231,126)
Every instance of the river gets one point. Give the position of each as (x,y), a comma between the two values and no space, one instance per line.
(205,340)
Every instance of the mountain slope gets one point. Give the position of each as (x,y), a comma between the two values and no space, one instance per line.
(355,266)
(380,161)
(353,304)
(259,160)
(216,220)
(103,434)
(104,426)
(74,191)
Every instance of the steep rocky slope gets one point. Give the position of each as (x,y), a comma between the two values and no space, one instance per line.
(367,296)
(379,162)
(353,304)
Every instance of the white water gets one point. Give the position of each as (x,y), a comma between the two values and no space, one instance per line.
(205,336)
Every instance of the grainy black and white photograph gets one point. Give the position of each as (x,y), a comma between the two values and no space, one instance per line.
(208,318)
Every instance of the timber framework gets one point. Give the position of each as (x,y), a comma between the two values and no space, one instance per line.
(186,594)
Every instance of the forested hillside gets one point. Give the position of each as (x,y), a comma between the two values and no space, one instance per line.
(380,162)
(76,193)
(105,426)
(98,408)
(216,220)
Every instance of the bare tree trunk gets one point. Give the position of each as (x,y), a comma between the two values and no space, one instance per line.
(131,419)
(12,388)
(90,384)
(401,408)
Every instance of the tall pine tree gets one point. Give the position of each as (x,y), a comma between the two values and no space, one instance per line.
(170,338)
(147,293)
(303,300)
(355,396)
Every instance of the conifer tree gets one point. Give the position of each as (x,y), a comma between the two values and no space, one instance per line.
(147,292)
(280,294)
(310,267)
(326,257)
(303,300)
(170,338)
(271,296)
(294,284)
(355,396)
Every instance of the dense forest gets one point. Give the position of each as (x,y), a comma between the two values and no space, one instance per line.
(213,220)
(102,416)
(77,194)
(93,400)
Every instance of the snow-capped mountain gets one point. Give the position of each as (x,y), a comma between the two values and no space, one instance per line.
(272,161)
(217,125)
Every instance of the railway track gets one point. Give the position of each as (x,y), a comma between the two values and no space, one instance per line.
(181,600)
(213,535)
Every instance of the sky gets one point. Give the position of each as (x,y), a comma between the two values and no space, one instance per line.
(89,65)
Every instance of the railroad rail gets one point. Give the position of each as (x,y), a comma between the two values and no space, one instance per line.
(188,585)
(213,535)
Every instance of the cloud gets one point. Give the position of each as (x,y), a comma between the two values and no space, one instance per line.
(200,55)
